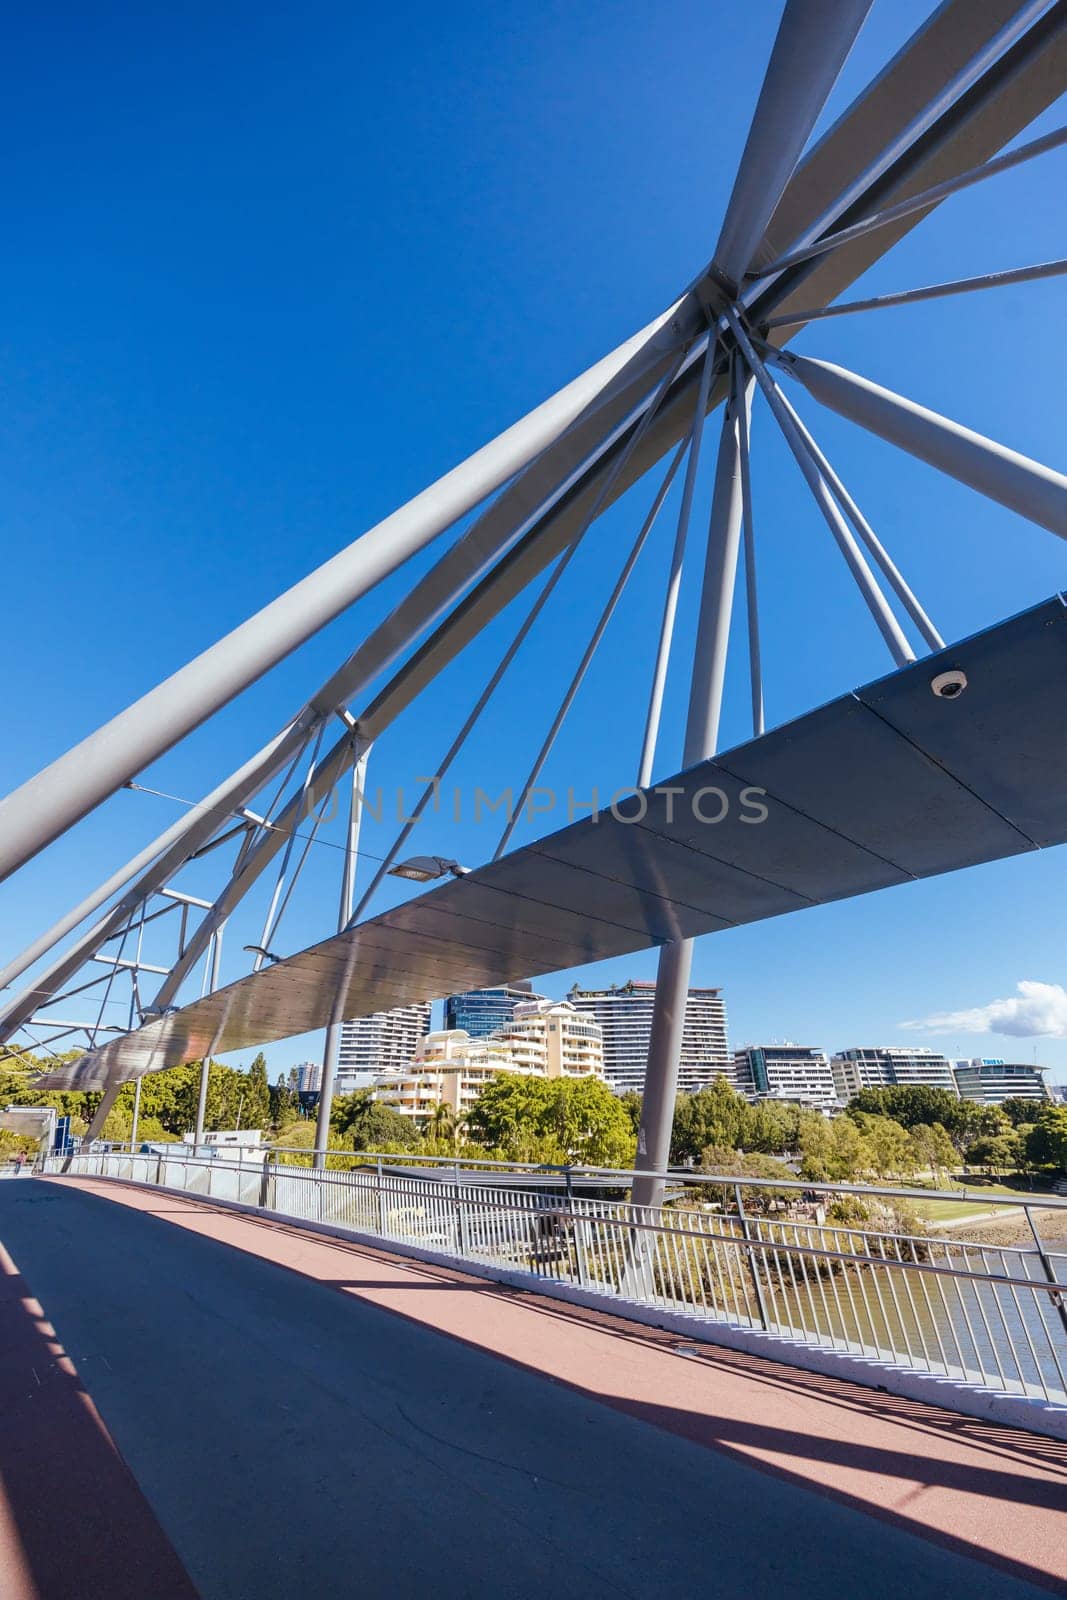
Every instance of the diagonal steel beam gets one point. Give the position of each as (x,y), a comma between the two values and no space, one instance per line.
(49,803)
(1022,83)
(814,37)
(1034,491)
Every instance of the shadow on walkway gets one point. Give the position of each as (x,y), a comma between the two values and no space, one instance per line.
(80,1522)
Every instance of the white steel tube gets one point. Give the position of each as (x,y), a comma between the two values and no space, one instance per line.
(813,39)
(47,804)
(893,575)
(917,202)
(701,739)
(674,580)
(887,623)
(1036,492)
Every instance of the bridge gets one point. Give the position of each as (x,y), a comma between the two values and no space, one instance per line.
(332,1379)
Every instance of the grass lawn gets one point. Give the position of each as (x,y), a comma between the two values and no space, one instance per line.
(981,1199)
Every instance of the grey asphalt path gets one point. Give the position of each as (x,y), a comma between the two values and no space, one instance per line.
(293,1441)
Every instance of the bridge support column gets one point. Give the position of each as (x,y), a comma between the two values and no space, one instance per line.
(701,741)
(103,1110)
(332,1047)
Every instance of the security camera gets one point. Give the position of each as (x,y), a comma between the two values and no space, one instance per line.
(949,685)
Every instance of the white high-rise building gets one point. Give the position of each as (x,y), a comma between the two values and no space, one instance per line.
(449,1068)
(306,1077)
(544,1039)
(791,1072)
(624,1013)
(990,1080)
(882,1066)
(384,1042)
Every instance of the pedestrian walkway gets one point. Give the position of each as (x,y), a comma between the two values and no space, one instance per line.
(276,1412)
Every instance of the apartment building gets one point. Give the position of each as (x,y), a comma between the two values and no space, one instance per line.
(794,1072)
(624,1015)
(879,1067)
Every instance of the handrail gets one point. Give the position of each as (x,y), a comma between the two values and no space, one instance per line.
(641,1223)
(684,1175)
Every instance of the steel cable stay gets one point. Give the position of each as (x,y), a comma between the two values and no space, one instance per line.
(268,921)
(972,73)
(889,569)
(748,534)
(308,840)
(932,291)
(591,648)
(914,204)
(876,602)
(1034,491)
(627,435)
(563,562)
(674,578)
(165,856)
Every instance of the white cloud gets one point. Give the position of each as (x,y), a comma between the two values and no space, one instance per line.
(1037,1009)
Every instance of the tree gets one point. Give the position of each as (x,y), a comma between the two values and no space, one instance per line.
(364,1123)
(632,1103)
(716,1115)
(933,1149)
(771,1128)
(912,1103)
(891,1152)
(833,1151)
(999,1152)
(589,1124)
(718,1159)
(1046,1143)
(284,1104)
(552,1120)
(256,1108)
(1020,1110)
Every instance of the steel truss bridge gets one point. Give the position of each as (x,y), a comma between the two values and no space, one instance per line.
(956,757)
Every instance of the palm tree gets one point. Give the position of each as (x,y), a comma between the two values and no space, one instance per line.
(441,1123)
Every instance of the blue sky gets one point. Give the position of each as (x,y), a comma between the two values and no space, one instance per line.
(267,273)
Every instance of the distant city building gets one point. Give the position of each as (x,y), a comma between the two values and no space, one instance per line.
(990,1080)
(306,1077)
(555,1038)
(480,1012)
(882,1067)
(544,1039)
(624,1013)
(793,1072)
(384,1042)
(449,1068)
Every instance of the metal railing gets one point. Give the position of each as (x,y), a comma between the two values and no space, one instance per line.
(987,1315)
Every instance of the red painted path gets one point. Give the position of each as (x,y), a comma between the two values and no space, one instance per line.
(789,1482)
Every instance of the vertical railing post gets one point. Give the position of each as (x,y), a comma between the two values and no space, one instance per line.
(1050,1271)
(751,1255)
(378,1197)
(577,1232)
(264,1181)
(461,1216)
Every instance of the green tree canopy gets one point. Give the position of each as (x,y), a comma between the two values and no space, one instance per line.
(555,1120)
(364,1123)
(1019,1110)
(933,1148)
(996,1152)
(1046,1143)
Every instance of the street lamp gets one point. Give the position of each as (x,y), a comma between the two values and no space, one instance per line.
(424,869)
(258,950)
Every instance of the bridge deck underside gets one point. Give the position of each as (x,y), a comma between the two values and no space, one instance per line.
(880,787)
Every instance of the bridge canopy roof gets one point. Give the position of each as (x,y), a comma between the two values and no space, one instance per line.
(880,787)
